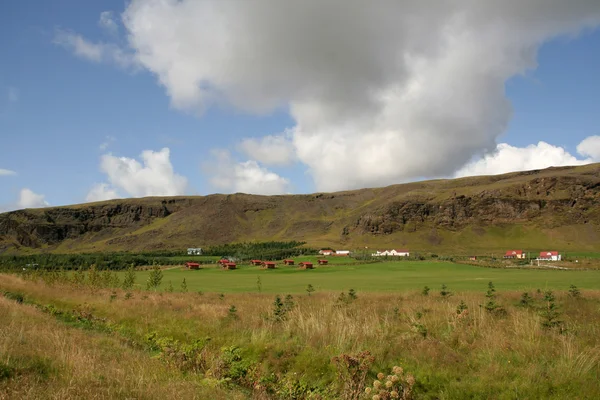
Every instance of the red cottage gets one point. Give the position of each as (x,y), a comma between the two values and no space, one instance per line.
(323,262)
(288,262)
(192,265)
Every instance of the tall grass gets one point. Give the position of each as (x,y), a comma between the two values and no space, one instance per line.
(452,354)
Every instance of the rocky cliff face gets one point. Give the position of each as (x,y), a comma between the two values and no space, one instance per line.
(544,200)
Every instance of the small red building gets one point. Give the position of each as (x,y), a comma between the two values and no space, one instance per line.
(192,265)
(323,262)
(288,262)
(306,265)
(229,265)
(255,262)
(514,254)
(269,264)
(223,261)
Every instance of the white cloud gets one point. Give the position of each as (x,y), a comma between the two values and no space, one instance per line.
(108,141)
(108,23)
(380,93)
(590,147)
(6,172)
(507,158)
(30,199)
(96,52)
(101,192)
(269,150)
(154,176)
(243,177)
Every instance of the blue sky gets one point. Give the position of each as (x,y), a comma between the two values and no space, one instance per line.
(61,112)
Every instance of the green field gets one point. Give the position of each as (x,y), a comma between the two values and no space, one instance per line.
(375,277)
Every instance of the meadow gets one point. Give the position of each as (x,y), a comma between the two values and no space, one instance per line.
(392,276)
(229,334)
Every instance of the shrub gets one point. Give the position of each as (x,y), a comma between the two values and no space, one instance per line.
(310,289)
(526,300)
(154,279)
(574,292)
(550,314)
(445,292)
(129,279)
(425,291)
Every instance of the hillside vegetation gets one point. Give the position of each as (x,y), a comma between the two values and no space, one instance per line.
(556,208)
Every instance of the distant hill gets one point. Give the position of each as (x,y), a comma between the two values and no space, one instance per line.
(555,208)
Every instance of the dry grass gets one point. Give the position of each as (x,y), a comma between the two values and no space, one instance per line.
(452,356)
(43,359)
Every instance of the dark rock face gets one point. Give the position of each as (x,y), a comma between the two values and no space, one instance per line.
(53,225)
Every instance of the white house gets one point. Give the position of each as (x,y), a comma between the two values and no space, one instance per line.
(326,252)
(549,256)
(392,252)
(342,252)
(194,251)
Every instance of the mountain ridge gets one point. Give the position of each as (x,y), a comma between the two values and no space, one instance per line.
(554,207)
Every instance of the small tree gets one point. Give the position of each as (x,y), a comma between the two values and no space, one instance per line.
(310,289)
(259,284)
(184,286)
(154,279)
(352,294)
(94,279)
(425,291)
(279,309)
(129,279)
(462,306)
(445,292)
(170,287)
(550,313)
(526,300)
(574,292)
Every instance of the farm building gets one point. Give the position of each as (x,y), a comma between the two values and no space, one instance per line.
(229,265)
(514,254)
(392,252)
(342,252)
(326,252)
(269,264)
(256,262)
(192,265)
(472,258)
(306,265)
(194,251)
(288,262)
(549,256)
(322,262)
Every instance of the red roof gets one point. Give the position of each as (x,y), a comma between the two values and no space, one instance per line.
(548,253)
(513,252)
(192,264)
(306,263)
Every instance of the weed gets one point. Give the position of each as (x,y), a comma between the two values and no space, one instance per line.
(352,373)
(397,385)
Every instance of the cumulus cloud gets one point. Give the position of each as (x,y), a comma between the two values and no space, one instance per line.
(269,150)
(108,23)
(6,172)
(590,147)
(507,158)
(95,52)
(243,177)
(153,176)
(380,93)
(30,199)
(101,192)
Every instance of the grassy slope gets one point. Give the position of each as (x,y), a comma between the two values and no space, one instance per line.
(377,277)
(476,355)
(320,219)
